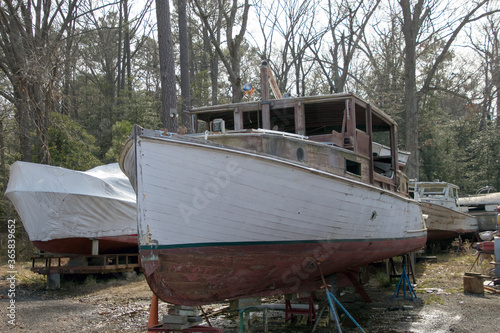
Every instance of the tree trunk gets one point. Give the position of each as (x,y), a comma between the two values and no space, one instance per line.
(231,61)
(184,62)
(411,27)
(4,171)
(23,123)
(167,66)
(214,69)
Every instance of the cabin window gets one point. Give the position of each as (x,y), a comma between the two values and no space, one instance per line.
(353,167)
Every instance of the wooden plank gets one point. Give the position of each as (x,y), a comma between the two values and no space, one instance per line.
(300,120)
(266,115)
(238,119)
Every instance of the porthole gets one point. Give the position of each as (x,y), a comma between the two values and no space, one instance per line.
(301,154)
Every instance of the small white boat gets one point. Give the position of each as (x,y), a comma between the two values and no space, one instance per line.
(446,219)
(64,211)
(239,211)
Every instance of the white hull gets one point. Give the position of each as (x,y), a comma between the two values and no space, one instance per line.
(445,217)
(190,194)
(443,222)
(223,223)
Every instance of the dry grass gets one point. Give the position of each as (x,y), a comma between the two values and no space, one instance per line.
(25,278)
(447,271)
(71,285)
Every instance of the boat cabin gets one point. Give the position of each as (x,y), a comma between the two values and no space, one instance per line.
(438,193)
(356,130)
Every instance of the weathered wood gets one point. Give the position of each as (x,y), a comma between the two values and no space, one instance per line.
(266,115)
(238,119)
(473,285)
(109,263)
(274,85)
(350,119)
(300,119)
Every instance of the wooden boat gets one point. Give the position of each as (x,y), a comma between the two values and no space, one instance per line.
(239,211)
(446,219)
(68,212)
(483,206)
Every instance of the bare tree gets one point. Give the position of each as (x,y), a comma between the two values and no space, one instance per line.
(228,11)
(32,35)
(346,26)
(420,23)
(486,45)
(381,76)
(127,28)
(68,105)
(288,29)
(124,60)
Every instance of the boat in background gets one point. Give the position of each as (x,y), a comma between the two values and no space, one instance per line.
(483,206)
(445,218)
(68,212)
(238,211)
(381,150)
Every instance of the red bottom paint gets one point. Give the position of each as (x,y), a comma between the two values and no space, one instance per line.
(83,246)
(204,275)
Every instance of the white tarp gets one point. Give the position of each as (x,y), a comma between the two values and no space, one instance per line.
(56,203)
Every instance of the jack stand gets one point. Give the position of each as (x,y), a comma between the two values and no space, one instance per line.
(153,312)
(331,299)
(404,281)
(244,314)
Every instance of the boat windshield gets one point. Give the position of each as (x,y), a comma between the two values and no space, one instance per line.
(426,191)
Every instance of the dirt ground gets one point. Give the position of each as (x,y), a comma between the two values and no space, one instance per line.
(122,305)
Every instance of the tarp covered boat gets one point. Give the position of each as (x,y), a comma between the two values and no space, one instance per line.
(64,210)
(483,206)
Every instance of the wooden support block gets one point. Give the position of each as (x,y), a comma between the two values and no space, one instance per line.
(53,281)
(183,310)
(473,285)
(175,319)
(244,303)
(177,327)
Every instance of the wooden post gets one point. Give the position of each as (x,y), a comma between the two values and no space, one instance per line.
(53,281)
(300,119)
(95,247)
(369,131)
(238,119)
(266,115)
(350,106)
(394,153)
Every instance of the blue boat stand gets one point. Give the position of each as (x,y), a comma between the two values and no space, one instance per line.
(331,300)
(404,283)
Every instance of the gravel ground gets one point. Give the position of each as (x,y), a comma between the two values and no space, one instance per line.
(119,305)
